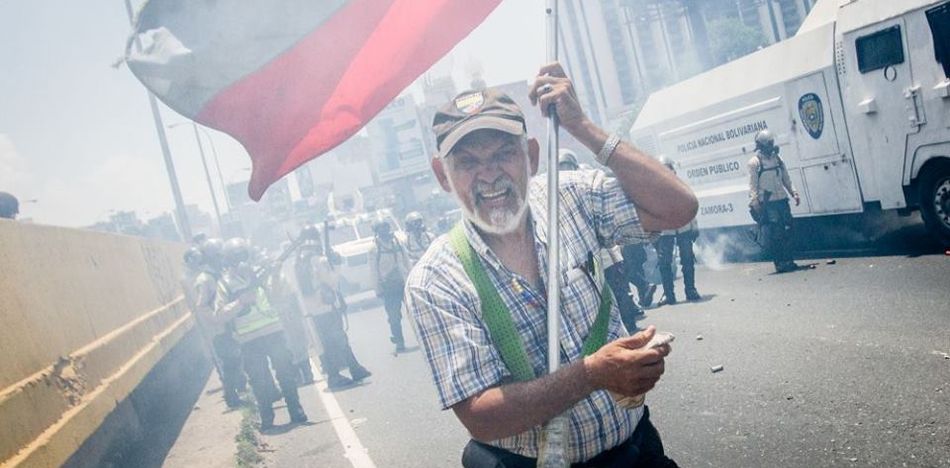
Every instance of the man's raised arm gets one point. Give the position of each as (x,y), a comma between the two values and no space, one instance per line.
(662,199)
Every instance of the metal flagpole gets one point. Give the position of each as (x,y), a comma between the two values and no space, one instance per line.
(555,434)
(184,225)
(554,298)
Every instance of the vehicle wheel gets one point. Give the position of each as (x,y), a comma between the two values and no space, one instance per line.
(935,201)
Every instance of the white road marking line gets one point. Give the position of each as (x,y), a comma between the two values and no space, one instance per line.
(353,448)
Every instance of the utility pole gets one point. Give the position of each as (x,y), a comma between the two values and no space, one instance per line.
(184,226)
(204,162)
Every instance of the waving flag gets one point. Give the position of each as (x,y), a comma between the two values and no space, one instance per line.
(291,79)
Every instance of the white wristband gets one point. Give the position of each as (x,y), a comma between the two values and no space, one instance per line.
(603,156)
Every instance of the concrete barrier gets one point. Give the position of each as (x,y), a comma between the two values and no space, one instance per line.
(85,317)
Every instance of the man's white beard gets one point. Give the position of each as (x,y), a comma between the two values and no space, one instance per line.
(502,220)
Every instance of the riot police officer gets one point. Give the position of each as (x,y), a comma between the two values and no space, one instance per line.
(682,239)
(567,160)
(244,303)
(769,188)
(417,236)
(227,352)
(319,286)
(390,265)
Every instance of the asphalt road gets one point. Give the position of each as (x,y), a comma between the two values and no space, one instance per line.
(836,366)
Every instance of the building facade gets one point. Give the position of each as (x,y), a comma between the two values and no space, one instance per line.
(618,51)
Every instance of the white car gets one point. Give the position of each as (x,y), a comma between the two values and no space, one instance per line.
(351,237)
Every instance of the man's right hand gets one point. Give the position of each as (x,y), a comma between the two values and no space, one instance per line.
(552,87)
(623,366)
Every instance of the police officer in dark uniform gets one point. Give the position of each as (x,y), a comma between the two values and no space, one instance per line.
(681,239)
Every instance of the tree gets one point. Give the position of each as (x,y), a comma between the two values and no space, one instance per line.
(730,39)
(697,23)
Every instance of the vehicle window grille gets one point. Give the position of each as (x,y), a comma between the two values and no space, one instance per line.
(880,49)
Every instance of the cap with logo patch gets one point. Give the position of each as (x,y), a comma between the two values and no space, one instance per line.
(475,110)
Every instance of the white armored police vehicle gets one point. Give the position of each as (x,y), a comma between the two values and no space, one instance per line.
(859,101)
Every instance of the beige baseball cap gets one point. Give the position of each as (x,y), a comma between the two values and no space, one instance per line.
(475,110)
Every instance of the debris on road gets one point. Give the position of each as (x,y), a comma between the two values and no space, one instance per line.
(699,337)
(357,422)
(717,368)
(831,262)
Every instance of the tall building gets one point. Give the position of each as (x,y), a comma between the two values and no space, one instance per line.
(777,19)
(618,51)
(436,90)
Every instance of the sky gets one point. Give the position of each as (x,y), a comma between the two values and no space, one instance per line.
(77,138)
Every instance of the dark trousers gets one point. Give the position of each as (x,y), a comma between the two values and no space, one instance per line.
(644,449)
(392,302)
(256,353)
(634,256)
(617,279)
(337,354)
(664,252)
(228,353)
(777,227)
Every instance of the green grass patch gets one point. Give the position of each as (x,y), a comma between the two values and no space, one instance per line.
(247,455)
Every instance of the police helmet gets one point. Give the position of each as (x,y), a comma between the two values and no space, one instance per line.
(765,141)
(414,221)
(192,257)
(382,227)
(310,232)
(211,251)
(9,206)
(567,160)
(235,251)
(666,162)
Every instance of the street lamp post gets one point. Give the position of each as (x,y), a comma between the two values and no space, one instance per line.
(204,163)
(217,165)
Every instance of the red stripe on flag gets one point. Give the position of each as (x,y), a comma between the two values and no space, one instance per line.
(322,91)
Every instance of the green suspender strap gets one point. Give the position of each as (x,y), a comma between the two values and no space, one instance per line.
(497,317)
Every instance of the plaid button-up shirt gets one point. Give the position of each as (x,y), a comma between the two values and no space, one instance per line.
(595,213)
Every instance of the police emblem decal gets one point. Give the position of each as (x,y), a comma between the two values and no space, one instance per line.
(469,103)
(812,114)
